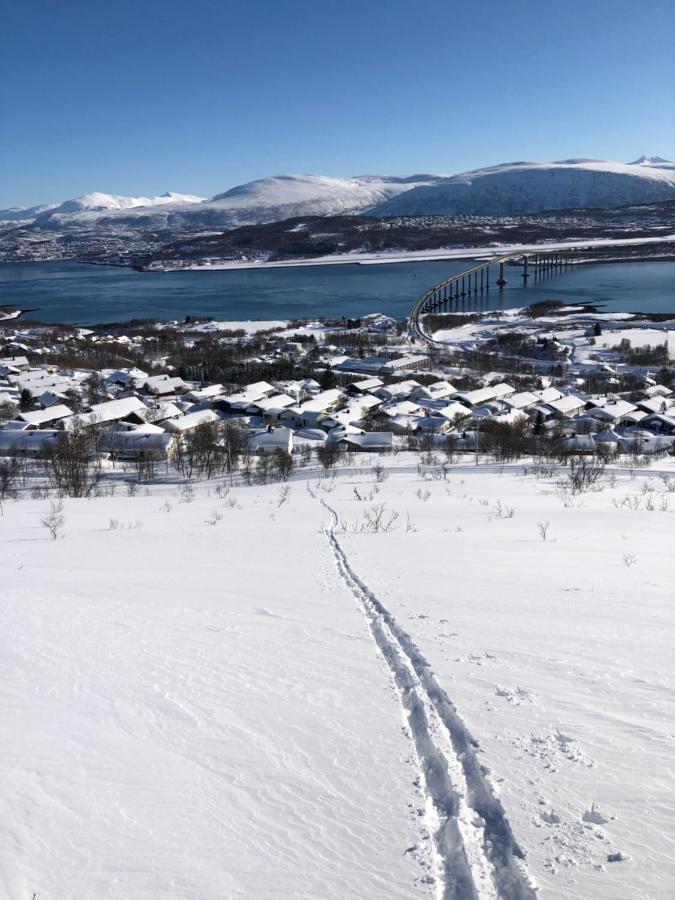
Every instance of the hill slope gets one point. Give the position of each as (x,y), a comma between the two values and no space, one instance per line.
(525,187)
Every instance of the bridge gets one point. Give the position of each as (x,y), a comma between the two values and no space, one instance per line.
(476,281)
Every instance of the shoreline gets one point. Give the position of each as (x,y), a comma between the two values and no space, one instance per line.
(376,259)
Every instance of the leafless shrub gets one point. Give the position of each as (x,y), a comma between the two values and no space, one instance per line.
(214,517)
(668,483)
(542,528)
(584,474)
(132,488)
(502,511)
(379,519)
(186,492)
(423,495)
(380,473)
(283,495)
(113,524)
(409,524)
(629,559)
(166,507)
(55,519)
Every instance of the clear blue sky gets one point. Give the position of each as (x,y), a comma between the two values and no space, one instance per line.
(198,95)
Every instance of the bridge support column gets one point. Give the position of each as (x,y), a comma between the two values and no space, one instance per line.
(526,274)
(501,281)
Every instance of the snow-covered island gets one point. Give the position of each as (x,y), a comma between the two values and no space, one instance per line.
(312,609)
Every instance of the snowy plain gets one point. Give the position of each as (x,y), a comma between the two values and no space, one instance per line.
(195,710)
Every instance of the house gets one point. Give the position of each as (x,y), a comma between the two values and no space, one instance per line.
(163,385)
(659,424)
(366,385)
(547,394)
(368,365)
(188,423)
(453,411)
(14,364)
(434,425)
(25,442)
(132,377)
(38,418)
(578,444)
(658,390)
(136,444)
(270,440)
(205,393)
(368,441)
(657,404)
(439,390)
(110,411)
(402,408)
(410,362)
(612,412)
(522,400)
(309,412)
(567,406)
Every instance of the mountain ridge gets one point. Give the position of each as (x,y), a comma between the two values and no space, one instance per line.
(515,188)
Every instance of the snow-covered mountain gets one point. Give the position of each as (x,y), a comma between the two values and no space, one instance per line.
(24,213)
(97,205)
(526,187)
(509,189)
(287,196)
(265,200)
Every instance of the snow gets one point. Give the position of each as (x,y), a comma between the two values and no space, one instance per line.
(100,201)
(529,187)
(507,189)
(248,326)
(216,711)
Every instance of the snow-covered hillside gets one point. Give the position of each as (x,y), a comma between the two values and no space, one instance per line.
(91,207)
(25,213)
(525,187)
(268,702)
(265,200)
(510,189)
(287,196)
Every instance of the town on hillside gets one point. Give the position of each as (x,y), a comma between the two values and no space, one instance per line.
(200,398)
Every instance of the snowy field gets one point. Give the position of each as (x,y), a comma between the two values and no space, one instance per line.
(285,704)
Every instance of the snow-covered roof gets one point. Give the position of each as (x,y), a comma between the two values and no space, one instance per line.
(566,404)
(42,416)
(191,420)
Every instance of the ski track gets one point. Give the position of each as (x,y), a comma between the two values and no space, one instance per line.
(475,854)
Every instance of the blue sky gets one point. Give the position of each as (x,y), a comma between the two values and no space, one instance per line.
(143,97)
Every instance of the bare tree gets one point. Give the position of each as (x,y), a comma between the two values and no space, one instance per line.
(71,463)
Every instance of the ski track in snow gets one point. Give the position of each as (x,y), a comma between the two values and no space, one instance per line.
(475,855)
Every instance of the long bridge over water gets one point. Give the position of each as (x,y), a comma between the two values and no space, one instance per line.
(476,281)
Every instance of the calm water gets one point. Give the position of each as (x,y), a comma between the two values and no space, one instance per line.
(77,293)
